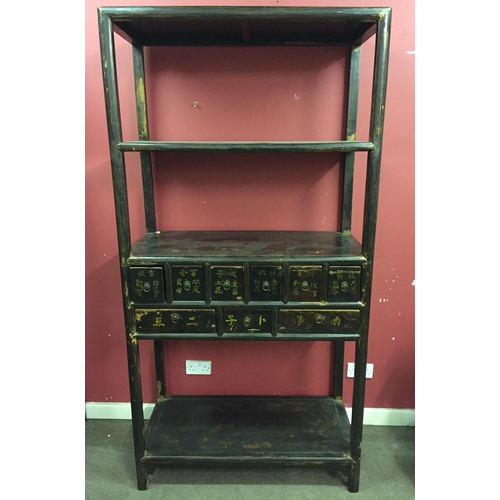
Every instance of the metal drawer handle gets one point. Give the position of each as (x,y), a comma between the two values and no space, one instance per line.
(247,321)
(175,317)
(226,285)
(305,286)
(146,287)
(265,286)
(319,319)
(187,286)
(344,286)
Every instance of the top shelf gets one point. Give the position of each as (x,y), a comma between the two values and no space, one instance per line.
(244,26)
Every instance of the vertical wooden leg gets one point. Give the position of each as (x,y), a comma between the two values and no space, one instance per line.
(338,370)
(161,386)
(353,478)
(358,402)
(142,476)
(137,411)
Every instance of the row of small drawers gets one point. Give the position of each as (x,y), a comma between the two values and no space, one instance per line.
(247,321)
(228,283)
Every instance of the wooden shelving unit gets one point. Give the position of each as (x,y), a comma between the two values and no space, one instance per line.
(244,285)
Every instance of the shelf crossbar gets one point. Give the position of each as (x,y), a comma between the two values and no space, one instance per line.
(247,146)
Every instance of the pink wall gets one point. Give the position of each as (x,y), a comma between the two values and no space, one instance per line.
(267,95)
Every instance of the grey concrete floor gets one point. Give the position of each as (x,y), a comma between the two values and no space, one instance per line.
(387,471)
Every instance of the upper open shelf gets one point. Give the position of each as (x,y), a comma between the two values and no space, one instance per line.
(185,26)
(319,146)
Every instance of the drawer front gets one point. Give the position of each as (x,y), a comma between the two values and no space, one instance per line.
(247,321)
(227,283)
(175,320)
(305,283)
(187,283)
(147,285)
(318,321)
(266,282)
(344,284)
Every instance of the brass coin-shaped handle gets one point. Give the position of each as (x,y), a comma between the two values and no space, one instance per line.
(319,318)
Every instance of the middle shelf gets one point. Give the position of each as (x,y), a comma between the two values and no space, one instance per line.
(248,146)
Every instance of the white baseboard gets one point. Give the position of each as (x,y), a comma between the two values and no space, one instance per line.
(387,416)
(114,411)
(372,416)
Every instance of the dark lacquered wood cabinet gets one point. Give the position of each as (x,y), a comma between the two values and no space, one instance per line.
(247,285)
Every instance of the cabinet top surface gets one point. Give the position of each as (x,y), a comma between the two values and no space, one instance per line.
(247,244)
(244,25)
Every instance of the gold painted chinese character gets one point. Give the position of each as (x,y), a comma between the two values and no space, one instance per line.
(158,322)
(232,322)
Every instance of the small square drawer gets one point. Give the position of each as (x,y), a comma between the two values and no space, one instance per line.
(175,320)
(147,286)
(318,321)
(305,283)
(247,321)
(187,283)
(266,282)
(227,283)
(344,283)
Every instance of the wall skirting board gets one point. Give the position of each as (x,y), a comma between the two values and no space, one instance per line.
(372,416)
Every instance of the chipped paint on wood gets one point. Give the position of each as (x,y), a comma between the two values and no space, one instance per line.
(141,102)
(257,446)
(139,314)
(168,440)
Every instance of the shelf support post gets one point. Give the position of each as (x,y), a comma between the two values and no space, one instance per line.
(368,242)
(352,115)
(111,99)
(106,38)
(143,133)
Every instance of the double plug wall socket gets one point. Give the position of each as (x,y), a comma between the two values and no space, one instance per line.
(198,367)
(369,370)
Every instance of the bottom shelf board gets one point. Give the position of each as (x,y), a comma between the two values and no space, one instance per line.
(243,429)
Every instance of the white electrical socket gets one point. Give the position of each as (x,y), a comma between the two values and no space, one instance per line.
(369,370)
(197,367)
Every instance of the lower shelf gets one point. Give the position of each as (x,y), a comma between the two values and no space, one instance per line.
(245,430)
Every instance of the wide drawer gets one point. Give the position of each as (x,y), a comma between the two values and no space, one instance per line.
(318,321)
(175,320)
